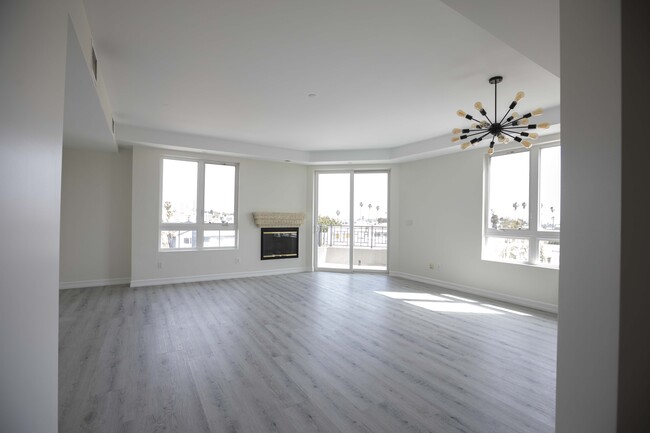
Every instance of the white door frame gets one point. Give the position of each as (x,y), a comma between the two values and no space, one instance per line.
(315,233)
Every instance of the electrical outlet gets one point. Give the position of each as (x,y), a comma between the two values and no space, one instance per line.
(432,266)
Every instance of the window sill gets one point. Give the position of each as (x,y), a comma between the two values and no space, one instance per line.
(183,250)
(532,265)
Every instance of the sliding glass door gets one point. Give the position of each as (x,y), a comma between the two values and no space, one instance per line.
(370,240)
(352,220)
(333,222)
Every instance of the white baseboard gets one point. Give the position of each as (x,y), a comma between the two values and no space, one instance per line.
(93,283)
(226,276)
(530,303)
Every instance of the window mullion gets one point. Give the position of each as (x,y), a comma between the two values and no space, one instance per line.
(533,206)
(510,233)
(486,196)
(200,204)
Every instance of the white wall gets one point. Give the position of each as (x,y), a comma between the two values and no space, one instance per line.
(263,186)
(32,54)
(441,217)
(588,321)
(95,218)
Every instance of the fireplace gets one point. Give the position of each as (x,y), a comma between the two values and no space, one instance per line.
(279,243)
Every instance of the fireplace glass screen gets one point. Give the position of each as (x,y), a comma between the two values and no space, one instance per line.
(279,243)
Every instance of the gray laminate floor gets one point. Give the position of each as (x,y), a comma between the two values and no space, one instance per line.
(312,352)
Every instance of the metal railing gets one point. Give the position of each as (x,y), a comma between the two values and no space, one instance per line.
(363,236)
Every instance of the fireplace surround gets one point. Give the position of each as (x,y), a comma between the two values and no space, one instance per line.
(279,234)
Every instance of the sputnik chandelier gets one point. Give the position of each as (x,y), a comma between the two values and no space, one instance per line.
(513,127)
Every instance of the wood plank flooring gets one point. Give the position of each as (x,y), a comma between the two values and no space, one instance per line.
(311,352)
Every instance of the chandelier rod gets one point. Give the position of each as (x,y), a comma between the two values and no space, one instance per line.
(529,126)
(504,116)
(486,116)
(512,127)
(482,131)
(496,82)
(512,123)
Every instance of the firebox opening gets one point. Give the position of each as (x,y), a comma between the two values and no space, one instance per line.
(279,243)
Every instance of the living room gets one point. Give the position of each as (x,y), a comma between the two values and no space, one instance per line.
(95,213)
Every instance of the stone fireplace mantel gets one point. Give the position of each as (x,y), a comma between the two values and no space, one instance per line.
(278,219)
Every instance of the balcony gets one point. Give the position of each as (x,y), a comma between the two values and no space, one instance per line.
(370,244)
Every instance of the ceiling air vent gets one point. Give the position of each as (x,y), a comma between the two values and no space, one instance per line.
(94,62)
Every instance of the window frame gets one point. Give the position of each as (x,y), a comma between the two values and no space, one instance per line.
(534,234)
(200,226)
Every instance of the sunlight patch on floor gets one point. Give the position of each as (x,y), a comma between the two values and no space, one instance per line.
(508,310)
(453,307)
(411,296)
(459,298)
(448,303)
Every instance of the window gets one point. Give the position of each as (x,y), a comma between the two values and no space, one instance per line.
(198,205)
(522,213)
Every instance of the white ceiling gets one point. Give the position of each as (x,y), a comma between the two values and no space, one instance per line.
(386,73)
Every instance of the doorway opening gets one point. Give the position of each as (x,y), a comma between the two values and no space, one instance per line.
(352,220)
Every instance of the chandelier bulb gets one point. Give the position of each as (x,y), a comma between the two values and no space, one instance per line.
(478,106)
(526,144)
(490,151)
(465,145)
(544,125)
(456,131)
(522,122)
(533,135)
(454,139)
(537,112)
(519,96)
(461,113)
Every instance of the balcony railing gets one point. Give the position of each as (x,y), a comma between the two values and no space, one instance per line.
(364,236)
